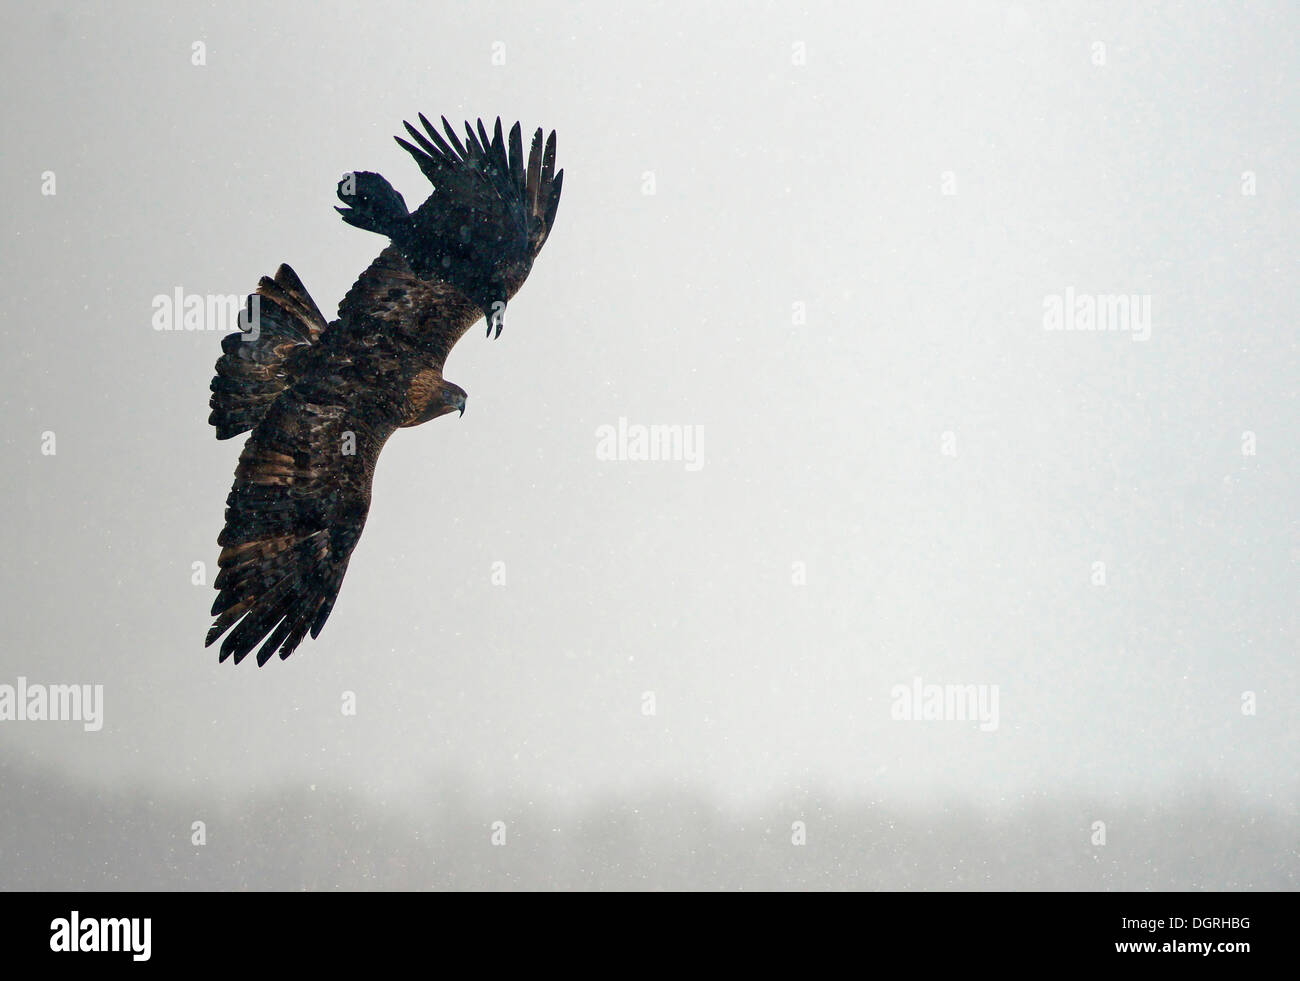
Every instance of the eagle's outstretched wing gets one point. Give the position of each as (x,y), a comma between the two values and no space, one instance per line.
(299,502)
(454,169)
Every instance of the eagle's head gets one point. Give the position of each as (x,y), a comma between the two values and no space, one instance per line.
(453,398)
(441,398)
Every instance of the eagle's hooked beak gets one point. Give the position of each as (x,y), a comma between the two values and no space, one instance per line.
(461,405)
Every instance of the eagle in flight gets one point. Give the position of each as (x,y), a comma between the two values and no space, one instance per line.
(323,397)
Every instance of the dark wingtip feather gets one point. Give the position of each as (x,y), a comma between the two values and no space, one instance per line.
(319,623)
(548,159)
(422,159)
(517,156)
(532,183)
(433,152)
(471,142)
(409,148)
(274,640)
(454,139)
(553,205)
(294,639)
(437,139)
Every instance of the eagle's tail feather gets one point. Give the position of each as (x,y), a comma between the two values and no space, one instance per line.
(280,321)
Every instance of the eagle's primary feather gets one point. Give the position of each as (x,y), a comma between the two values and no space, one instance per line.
(322,399)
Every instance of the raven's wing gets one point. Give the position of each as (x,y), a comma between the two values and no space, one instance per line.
(299,502)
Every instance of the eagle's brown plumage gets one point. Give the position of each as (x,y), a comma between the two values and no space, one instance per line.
(323,399)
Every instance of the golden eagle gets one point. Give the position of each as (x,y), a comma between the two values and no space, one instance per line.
(322,398)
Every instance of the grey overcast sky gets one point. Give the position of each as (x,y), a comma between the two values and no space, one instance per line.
(830,236)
